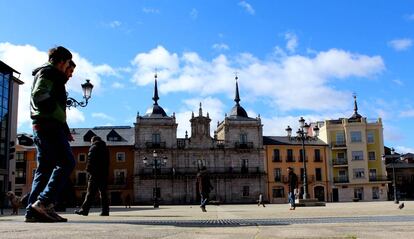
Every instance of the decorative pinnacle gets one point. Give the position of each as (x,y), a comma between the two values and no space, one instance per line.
(155,98)
(355,103)
(237,97)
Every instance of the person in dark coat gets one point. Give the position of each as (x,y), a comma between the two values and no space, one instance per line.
(204,187)
(98,169)
(293,185)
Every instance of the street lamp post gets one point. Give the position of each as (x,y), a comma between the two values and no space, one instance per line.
(87,92)
(394,156)
(302,136)
(155,165)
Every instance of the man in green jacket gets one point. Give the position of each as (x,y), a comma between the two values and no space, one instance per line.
(55,160)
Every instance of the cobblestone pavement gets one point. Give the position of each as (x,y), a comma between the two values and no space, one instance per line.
(336,220)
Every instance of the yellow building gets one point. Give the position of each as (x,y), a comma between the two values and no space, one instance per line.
(281,153)
(355,167)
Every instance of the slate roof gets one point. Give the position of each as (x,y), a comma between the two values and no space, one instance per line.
(126,133)
(284,140)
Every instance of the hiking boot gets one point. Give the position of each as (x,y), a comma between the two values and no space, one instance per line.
(51,211)
(104,214)
(42,210)
(81,212)
(34,216)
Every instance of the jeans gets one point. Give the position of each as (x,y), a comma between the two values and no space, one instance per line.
(204,199)
(96,184)
(55,163)
(291,198)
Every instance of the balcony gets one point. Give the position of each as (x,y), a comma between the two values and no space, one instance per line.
(340,162)
(290,159)
(338,144)
(276,159)
(181,143)
(220,144)
(318,160)
(80,183)
(118,183)
(192,172)
(243,145)
(155,145)
(382,178)
(341,180)
(301,159)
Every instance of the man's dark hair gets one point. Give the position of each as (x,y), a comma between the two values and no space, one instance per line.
(96,138)
(72,64)
(290,168)
(58,54)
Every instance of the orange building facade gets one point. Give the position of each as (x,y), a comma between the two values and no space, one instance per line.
(281,153)
(120,142)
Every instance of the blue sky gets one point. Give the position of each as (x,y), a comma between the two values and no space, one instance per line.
(293,58)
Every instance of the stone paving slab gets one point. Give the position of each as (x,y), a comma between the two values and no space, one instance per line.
(336,220)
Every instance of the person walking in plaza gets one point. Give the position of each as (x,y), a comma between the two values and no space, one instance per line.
(293,185)
(204,187)
(55,161)
(61,201)
(260,201)
(127,201)
(98,170)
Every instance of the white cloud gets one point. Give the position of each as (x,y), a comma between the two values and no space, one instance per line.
(398,82)
(118,85)
(150,10)
(249,9)
(407,113)
(285,81)
(194,13)
(159,58)
(400,44)
(410,17)
(403,150)
(25,58)
(213,106)
(277,125)
(75,116)
(103,116)
(292,42)
(115,24)
(220,46)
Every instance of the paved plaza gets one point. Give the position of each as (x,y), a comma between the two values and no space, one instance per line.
(336,220)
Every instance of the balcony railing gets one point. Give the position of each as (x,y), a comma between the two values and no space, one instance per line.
(378,178)
(155,145)
(194,171)
(220,144)
(290,159)
(276,159)
(340,161)
(341,180)
(301,158)
(119,181)
(318,160)
(180,143)
(81,183)
(243,145)
(338,144)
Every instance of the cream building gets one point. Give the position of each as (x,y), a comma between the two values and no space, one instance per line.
(234,157)
(355,166)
